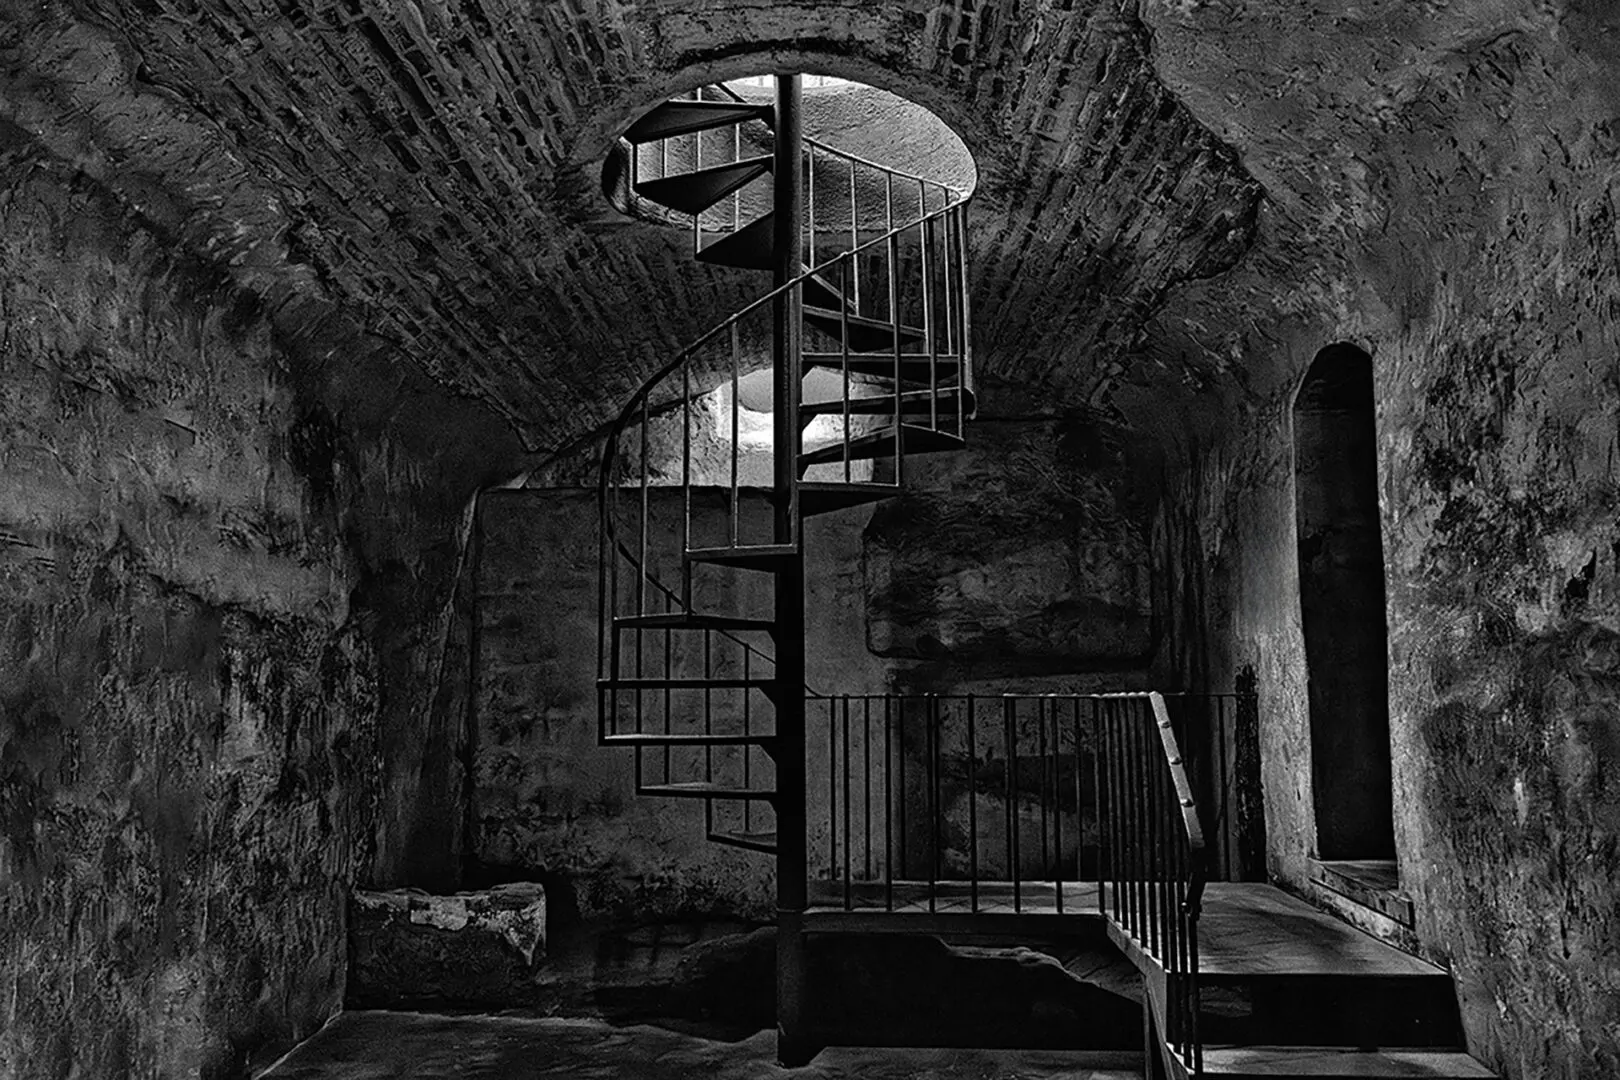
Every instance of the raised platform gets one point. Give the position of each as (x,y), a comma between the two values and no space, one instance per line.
(385,1045)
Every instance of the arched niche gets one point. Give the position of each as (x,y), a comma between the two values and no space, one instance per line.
(1342,608)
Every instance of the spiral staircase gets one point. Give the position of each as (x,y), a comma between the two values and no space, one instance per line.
(862,345)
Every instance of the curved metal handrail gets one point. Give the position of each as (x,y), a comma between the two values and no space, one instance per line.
(611,540)
(636,399)
(855,158)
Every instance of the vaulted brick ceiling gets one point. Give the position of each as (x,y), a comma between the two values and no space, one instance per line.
(428,169)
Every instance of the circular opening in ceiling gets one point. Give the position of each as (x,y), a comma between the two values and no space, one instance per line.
(842,121)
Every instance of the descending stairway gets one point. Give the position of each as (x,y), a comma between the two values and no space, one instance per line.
(863,340)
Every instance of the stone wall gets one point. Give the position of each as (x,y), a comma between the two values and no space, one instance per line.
(225,575)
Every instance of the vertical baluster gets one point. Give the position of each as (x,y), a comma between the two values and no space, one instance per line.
(888,805)
(1102,794)
(894,320)
(1119,809)
(900,757)
(1012,758)
(843,361)
(736,441)
(1150,851)
(1040,781)
(973,807)
(1007,800)
(931,795)
(708,705)
(686,483)
(1149,839)
(849,885)
(1154,760)
(1133,791)
(930,339)
(832,787)
(1223,808)
(959,320)
(1057,800)
(964,363)
(810,205)
(736,196)
(697,163)
(748,729)
(854,237)
(866,806)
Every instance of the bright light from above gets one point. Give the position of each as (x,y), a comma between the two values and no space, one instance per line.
(809,82)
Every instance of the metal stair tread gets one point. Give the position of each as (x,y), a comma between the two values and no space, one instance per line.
(911,403)
(758,556)
(696,191)
(827,295)
(752,841)
(914,439)
(750,247)
(820,497)
(703,789)
(918,369)
(1339,1061)
(681,620)
(658,738)
(831,322)
(679,117)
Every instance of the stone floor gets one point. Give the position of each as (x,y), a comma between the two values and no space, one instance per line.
(379,1045)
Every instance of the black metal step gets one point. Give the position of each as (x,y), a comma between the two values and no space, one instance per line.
(912,403)
(702,789)
(694,192)
(657,738)
(915,368)
(821,498)
(685,117)
(751,841)
(681,620)
(880,444)
(754,557)
(819,291)
(751,247)
(865,335)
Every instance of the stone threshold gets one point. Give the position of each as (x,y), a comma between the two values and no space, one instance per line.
(1372,883)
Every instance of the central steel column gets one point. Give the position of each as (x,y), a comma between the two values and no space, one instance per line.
(793,1046)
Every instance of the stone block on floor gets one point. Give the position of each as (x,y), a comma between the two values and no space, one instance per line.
(410,948)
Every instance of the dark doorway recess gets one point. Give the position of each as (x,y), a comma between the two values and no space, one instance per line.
(1341,599)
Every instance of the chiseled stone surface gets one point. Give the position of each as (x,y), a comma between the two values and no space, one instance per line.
(375,1046)
(466,948)
(226,569)
(1441,184)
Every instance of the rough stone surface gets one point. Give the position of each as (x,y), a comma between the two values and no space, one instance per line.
(188,719)
(1442,195)
(225,608)
(1025,554)
(1181,203)
(468,948)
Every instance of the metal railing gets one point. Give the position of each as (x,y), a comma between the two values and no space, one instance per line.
(1052,803)
(1154,864)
